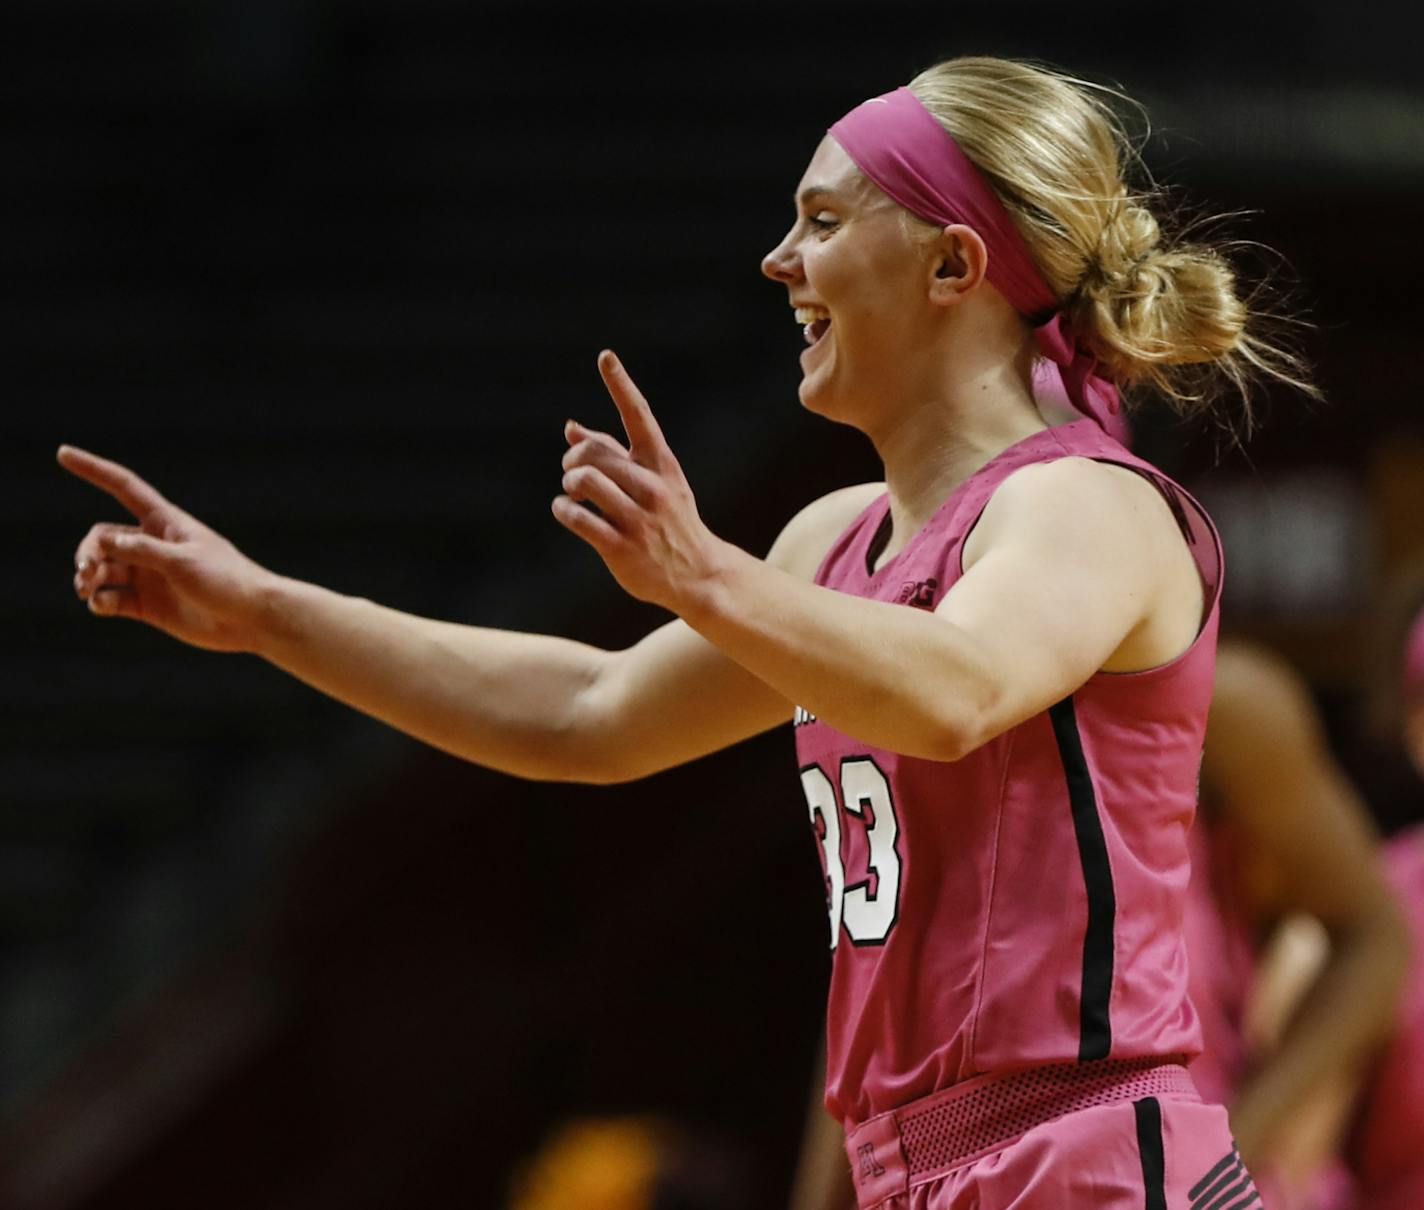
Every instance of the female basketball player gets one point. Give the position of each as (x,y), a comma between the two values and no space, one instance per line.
(999,659)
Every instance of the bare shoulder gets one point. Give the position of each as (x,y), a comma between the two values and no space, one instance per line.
(1084,481)
(803,543)
(1075,500)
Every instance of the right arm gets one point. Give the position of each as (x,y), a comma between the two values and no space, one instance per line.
(536,706)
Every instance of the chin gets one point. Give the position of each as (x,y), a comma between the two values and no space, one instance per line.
(829,405)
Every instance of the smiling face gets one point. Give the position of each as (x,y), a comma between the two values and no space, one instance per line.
(860,284)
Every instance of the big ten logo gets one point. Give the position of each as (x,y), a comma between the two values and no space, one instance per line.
(919,593)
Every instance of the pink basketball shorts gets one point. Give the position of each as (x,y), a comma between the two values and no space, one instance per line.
(1108,1135)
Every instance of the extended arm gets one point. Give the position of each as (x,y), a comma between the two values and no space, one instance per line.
(1268,765)
(533,705)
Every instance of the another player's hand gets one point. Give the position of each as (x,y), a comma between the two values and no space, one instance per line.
(170,570)
(646,528)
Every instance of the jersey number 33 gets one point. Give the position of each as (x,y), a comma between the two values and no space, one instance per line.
(869,906)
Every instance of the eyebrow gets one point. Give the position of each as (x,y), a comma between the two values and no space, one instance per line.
(811,192)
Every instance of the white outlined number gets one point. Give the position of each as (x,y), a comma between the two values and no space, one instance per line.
(868,915)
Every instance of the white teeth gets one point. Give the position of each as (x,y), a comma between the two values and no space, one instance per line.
(809,315)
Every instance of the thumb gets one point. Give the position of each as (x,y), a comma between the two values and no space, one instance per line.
(142,550)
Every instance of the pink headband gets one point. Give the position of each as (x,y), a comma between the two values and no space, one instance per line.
(901,146)
(1414,660)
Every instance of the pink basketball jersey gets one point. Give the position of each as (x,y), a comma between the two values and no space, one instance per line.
(1022,905)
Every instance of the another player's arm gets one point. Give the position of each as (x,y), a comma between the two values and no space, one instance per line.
(1268,764)
(823,1179)
(536,706)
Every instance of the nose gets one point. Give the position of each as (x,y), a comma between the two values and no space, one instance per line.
(783,263)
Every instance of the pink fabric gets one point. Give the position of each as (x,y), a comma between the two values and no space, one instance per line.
(901,146)
(976,864)
(1052,397)
(977,1117)
(1414,661)
(1088,1158)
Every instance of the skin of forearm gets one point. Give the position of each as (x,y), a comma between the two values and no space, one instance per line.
(510,701)
(1347,1012)
(895,677)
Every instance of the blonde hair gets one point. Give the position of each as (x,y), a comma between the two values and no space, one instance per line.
(1157,308)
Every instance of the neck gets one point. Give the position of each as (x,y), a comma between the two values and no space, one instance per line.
(932,446)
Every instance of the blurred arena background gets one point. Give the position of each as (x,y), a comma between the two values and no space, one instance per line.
(332,273)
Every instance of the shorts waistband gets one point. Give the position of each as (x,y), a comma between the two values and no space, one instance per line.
(945,1130)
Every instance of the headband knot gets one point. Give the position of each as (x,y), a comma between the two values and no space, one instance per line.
(901,146)
(1090,392)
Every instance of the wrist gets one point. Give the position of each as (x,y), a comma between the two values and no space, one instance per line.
(709,596)
(276,616)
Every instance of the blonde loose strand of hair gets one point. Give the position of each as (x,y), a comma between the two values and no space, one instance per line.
(1160,308)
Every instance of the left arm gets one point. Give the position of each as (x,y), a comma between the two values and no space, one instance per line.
(1060,574)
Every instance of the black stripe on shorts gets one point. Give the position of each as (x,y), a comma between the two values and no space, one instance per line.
(1228,1186)
(1149,1147)
(1094,1026)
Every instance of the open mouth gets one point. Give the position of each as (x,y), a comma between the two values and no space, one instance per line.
(816,323)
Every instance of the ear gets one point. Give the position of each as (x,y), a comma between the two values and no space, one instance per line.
(957,264)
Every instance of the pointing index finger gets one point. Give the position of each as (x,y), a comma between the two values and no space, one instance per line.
(644,433)
(127,488)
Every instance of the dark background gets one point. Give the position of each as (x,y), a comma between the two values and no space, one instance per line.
(332,274)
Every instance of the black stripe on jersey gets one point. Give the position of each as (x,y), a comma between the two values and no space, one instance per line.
(1094,1027)
(1149,1148)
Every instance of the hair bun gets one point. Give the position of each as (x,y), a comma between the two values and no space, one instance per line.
(1127,239)
(1157,309)
(1148,305)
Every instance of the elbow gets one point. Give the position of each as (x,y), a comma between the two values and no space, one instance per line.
(971,714)
(962,728)
(591,746)
(947,745)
